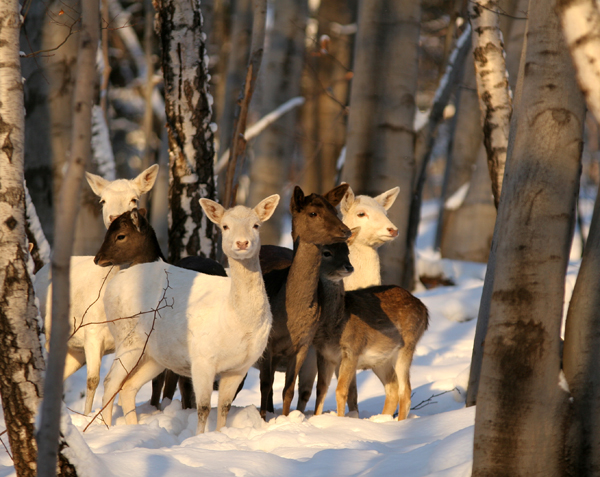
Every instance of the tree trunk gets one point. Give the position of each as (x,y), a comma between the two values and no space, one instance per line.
(280,81)
(188,108)
(492,87)
(65,217)
(380,146)
(520,407)
(21,362)
(326,87)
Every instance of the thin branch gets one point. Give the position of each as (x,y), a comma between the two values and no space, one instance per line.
(6,448)
(155,311)
(429,401)
(499,11)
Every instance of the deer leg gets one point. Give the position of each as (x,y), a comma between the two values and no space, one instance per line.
(325,369)
(291,373)
(306,378)
(352,392)
(402,368)
(170,384)
(186,389)
(157,385)
(74,360)
(93,357)
(146,369)
(387,376)
(202,378)
(347,371)
(227,388)
(266,381)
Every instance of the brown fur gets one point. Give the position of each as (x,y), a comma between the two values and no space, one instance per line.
(296,306)
(376,328)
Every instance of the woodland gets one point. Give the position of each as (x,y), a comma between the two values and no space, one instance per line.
(484,113)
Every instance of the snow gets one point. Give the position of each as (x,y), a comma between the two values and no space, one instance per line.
(436,439)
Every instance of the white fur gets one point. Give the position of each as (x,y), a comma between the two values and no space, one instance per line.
(370,214)
(121,195)
(216,325)
(90,343)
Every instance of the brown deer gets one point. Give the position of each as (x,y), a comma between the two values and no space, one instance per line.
(294,292)
(371,328)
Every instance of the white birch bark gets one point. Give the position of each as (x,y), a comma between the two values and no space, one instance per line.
(492,87)
(581,26)
(21,361)
(65,217)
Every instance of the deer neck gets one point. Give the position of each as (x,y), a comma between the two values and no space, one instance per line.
(303,279)
(365,261)
(333,302)
(247,294)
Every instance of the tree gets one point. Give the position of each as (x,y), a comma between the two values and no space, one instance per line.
(520,407)
(189,117)
(280,81)
(380,146)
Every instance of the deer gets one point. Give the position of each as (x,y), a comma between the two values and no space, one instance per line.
(208,326)
(294,292)
(374,328)
(89,343)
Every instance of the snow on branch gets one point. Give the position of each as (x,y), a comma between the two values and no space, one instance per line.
(581,23)
(101,146)
(261,125)
(492,86)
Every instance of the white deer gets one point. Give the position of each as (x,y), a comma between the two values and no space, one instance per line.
(212,326)
(89,343)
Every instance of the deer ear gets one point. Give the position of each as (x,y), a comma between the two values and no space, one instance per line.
(135,219)
(388,198)
(213,210)
(145,181)
(352,237)
(267,207)
(335,195)
(347,200)
(97,183)
(297,202)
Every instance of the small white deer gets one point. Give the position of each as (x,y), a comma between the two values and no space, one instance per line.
(90,343)
(212,326)
(370,214)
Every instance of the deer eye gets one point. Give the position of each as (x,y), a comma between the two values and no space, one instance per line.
(361,214)
(256,226)
(312,214)
(225,227)
(327,254)
(134,200)
(102,202)
(121,237)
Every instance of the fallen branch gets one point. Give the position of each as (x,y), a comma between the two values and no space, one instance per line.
(429,401)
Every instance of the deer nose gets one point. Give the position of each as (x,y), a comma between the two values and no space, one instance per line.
(349,268)
(242,245)
(96,259)
(393,232)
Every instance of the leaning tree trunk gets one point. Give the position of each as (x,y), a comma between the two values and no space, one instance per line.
(21,362)
(280,81)
(492,87)
(65,218)
(581,21)
(189,116)
(521,407)
(325,87)
(380,147)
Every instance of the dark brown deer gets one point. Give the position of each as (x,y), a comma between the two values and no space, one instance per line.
(294,293)
(371,328)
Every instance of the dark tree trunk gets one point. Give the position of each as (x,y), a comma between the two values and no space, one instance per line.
(189,116)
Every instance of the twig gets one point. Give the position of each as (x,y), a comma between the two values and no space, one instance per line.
(429,401)
(155,311)
(499,11)
(6,448)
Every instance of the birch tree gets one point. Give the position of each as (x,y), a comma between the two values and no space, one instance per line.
(21,362)
(188,107)
(492,86)
(520,405)
(380,147)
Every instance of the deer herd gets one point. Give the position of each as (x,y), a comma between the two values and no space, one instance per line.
(310,312)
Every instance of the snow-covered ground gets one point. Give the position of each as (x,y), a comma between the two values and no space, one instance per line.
(435,440)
